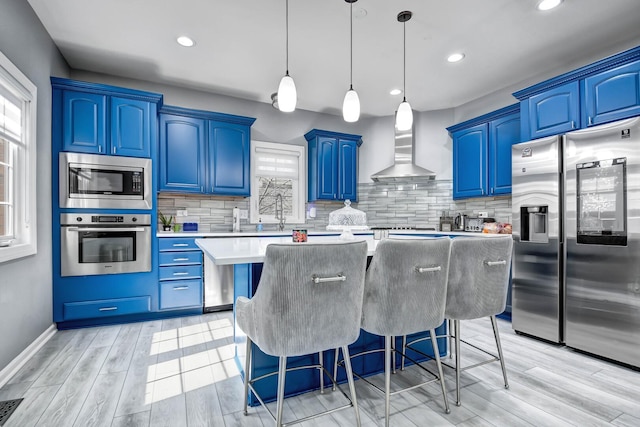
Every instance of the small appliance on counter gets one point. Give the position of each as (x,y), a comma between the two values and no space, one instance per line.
(460,222)
(446,222)
(476,225)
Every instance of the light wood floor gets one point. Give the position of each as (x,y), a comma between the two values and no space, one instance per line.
(181,372)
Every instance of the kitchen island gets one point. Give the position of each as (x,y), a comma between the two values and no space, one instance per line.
(245,256)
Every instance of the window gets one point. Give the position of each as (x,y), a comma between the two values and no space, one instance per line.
(17,163)
(277,171)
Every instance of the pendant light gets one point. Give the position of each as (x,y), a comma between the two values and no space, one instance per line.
(404,116)
(351,104)
(287,96)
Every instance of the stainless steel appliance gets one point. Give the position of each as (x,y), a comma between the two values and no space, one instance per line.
(576,230)
(461,222)
(476,225)
(218,286)
(104,182)
(104,244)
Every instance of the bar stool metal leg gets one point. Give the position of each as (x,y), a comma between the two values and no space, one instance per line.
(436,352)
(282,371)
(352,386)
(496,335)
(335,369)
(247,369)
(404,349)
(387,379)
(456,327)
(321,371)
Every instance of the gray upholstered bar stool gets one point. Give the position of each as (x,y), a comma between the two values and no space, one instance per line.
(478,285)
(405,293)
(309,299)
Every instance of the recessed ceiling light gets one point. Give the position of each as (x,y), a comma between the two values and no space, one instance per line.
(395,92)
(185,41)
(548,4)
(455,57)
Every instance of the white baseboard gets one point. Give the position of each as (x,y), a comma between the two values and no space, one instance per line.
(14,366)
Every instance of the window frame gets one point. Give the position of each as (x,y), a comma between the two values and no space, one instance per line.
(299,205)
(24,178)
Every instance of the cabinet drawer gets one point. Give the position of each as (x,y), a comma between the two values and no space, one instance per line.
(181,272)
(180,294)
(106,307)
(180,258)
(177,244)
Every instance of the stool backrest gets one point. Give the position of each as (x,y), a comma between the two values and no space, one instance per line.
(309,297)
(478,277)
(406,286)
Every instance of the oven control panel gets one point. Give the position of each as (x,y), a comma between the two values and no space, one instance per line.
(114,220)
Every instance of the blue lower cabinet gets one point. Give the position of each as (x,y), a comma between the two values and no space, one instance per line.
(181,273)
(106,307)
(180,294)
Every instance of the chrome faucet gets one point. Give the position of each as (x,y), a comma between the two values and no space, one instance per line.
(280,212)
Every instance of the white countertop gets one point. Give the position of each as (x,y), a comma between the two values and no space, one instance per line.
(247,249)
(312,233)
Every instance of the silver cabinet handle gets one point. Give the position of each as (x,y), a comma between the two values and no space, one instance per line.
(339,278)
(181,273)
(99,149)
(492,263)
(180,288)
(428,269)
(113,150)
(116,229)
(181,259)
(573,124)
(107,308)
(180,245)
(590,121)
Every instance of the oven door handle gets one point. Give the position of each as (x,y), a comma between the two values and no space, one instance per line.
(117,229)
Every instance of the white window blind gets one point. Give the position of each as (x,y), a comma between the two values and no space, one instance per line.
(277,163)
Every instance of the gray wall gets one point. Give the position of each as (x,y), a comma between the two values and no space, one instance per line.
(25,284)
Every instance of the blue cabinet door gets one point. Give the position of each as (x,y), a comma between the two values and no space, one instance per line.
(182,154)
(470,162)
(347,170)
(503,133)
(228,159)
(83,122)
(327,168)
(612,95)
(554,111)
(131,127)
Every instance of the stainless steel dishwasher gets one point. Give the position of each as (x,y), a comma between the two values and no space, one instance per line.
(218,286)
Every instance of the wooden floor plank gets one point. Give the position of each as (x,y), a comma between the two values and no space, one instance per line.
(181,372)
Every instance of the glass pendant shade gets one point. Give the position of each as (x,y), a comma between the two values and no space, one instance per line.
(404,116)
(351,106)
(287,95)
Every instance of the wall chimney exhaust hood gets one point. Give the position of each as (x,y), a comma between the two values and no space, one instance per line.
(404,166)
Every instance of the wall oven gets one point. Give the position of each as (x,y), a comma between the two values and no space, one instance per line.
(104,182)
(94,244)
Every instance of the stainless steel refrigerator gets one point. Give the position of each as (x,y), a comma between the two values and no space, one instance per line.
(576,230)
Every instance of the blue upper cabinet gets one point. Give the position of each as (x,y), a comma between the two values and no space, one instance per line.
(131,127)
(503,133)
(102,119)
(348,173)
(182,153)
(554,111)
(482,153)
(597,93)
(612,94)
(332,165)
(470,162)
(204,152)
(229,161)
(83,126)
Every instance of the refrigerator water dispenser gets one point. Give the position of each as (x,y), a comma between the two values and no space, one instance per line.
(534,222)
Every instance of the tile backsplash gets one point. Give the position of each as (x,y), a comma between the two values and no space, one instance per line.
(399,203)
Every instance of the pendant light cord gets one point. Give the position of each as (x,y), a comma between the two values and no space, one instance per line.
(404,62)
(287,33)
(351,49)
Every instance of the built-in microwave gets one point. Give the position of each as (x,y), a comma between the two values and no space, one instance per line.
(104,182)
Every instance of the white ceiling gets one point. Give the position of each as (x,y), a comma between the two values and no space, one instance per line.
(240,45)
